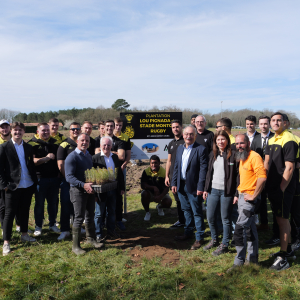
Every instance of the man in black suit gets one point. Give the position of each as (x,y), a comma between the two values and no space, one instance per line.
(250,125)
(18,179)
(258,145)
(106,159)
(188,181)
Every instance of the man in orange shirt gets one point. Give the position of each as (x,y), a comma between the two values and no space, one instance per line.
(252,180)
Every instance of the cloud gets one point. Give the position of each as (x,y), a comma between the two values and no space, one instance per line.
(56,55)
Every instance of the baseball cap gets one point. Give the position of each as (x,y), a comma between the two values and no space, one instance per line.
(4,122)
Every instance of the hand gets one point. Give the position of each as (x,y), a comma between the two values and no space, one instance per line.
(205,194)
(156,191)
(88,188)
(157,199)
(199,193)
(174,189)
(124,166)
(282,189)
(122,193)
(167,181)
(248,197)
(235,200)
(51,156)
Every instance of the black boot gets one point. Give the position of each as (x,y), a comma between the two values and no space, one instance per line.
(76,232)
(91,235)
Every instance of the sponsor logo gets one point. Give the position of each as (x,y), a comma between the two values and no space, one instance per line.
(129,131)
(129,117)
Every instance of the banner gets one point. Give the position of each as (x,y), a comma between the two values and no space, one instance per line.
(150,132)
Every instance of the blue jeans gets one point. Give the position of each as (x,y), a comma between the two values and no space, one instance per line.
(218,202)
(66,206)
(192,207)
(47,188)
(101,207)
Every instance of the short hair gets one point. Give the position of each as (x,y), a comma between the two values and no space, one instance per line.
(106,137)
(202,117)
(100,123)
(53,120)
(285,117)
(264,117)
(251,118)
(177,121)
(15,124)
(42,124)
(74,123)
(277,113)
(194,116)
(225,122)
(109,121)
(118,120)
(190,126)
(87,122)
(155,157)
(246,138)
(83,133)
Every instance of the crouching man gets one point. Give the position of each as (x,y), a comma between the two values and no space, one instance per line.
(252,181)
(154,188)
(81,193)
(107,201)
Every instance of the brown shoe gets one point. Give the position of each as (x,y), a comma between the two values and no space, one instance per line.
(183,237)
(197,245)
(263,227)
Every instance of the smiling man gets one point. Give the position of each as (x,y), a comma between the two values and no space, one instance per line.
(44,156)
(280,159)
(204,137)
(54,125)
(250,126)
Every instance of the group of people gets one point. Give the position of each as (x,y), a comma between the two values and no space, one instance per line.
(50,163)
(234,176)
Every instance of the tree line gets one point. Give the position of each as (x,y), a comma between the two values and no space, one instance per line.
(101,113)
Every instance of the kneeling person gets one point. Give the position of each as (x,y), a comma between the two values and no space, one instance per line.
(154,188)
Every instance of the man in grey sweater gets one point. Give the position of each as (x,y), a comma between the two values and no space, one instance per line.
(81,193)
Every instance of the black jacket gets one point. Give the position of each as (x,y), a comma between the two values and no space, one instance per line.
(99,161)
(231,179)
(10,167)
(257,143)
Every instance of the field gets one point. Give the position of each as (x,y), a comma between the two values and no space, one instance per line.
(147,263)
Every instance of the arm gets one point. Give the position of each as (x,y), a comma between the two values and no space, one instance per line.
(160,196)
(3,158)
(202,171)
(97,150)
(287,175)
(120,153)
(61,167)
(43,160)
(175,174)
(127,159)
(70,170)
(259,187)
(266,163)
(146,186)
(168,165)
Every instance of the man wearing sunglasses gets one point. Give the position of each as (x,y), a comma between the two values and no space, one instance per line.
(64,149)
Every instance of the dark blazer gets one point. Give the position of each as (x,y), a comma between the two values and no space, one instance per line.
(231,169)
(99,161)
(10,167)
(196,168)
(257,143)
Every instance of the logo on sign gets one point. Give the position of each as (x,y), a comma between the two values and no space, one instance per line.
(129,117)
(129,131)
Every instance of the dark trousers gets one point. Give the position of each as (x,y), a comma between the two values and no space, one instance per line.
(84,206)
(295,217)
(18,200)
(263,209)
(119,207)
(180,212)
(2,207)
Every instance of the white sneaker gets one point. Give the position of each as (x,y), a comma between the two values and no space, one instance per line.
(160,210)
(6,249)
(124,220)
(148,216)
(54,229)
(82,231)
(27,238)
(18,228)
(38,231)
(63,235)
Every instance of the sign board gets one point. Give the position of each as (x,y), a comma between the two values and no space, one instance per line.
(150,132)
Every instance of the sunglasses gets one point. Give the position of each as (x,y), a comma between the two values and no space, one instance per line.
(219,126)
(73,129)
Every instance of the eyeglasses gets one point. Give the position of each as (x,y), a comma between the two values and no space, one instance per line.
(73,129)
(219,126)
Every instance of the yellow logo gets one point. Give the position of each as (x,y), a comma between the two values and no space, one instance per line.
(129,117)
(276,148)
(129,131)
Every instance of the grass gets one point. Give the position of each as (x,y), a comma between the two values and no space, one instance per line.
(49,270)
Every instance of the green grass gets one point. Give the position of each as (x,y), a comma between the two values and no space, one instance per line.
(49,270)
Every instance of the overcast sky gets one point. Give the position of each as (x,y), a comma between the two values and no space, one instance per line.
(63,54)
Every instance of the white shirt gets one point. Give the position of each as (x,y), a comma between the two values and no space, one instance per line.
(184,160)
(25,180)
(251,137)
(267,138)
(109,161)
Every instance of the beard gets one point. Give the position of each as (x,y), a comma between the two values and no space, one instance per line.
(242,156)
(7,134)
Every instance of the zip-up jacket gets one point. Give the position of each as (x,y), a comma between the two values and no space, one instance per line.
(41,149)
(231,168)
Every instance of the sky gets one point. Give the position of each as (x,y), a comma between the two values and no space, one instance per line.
(191,54)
